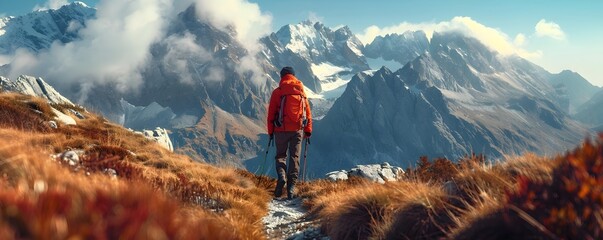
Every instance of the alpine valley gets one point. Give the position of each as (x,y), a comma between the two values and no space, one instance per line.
(401,97)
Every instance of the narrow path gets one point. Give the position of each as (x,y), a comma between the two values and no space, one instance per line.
(286,220)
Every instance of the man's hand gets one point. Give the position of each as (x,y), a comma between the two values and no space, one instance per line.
(307,134)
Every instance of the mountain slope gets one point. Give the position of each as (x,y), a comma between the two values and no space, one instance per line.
(591,112)
(38,30)
(203,89)
(401,48)
(456,99)
(577,89)
(104,181)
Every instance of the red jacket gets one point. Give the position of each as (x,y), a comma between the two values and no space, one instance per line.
(289,85)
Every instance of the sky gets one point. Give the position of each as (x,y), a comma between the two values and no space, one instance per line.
(556,35)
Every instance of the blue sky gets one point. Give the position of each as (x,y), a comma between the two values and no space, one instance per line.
(569,35)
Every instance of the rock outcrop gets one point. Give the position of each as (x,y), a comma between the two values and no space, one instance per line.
(380,173)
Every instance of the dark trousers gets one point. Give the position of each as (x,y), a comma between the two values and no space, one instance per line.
(288,142)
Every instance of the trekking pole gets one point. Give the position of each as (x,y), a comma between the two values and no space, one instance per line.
(266,156)
(306,143)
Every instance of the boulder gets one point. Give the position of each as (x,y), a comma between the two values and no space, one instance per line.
(53,124)
(380,173)
(337,175)
(63,118)
(159,135)
(71,157)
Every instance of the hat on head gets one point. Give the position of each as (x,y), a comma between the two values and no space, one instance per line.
(287,70)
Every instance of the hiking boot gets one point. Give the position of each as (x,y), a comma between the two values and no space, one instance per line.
(290,190)
(278,191)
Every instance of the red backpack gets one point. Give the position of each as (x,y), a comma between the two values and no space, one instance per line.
(292,109)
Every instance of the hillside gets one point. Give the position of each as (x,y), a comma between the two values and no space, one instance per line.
(97,180)
(94,179)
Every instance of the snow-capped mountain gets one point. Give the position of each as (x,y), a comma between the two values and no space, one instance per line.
(401,48)
(456,99)
(316,52)
(577,89)
(38,30)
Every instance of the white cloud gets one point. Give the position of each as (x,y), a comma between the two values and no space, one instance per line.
(115,46)
(314,17)
(495,39)
(373,31)
(111,50)
(249,23)
(520,39)
(215,74)
(5,59)
(51,4)
(549,29)
(183,55)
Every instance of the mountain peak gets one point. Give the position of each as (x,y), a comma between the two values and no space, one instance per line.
(401,48)
(78,3)
(38,30)
(570,73)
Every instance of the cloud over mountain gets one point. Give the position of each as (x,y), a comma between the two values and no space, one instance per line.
(493,38)
(549,29)
(51,4)
(113,47)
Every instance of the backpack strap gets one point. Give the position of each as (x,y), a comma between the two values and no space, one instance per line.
(281,110)
(304,114)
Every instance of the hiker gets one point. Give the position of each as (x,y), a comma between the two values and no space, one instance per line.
(289,122)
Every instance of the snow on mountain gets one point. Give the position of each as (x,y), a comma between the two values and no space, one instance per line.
(34,87)
(3,22)
(318,54)
(456,99)
(319,44)
(38,30)
(324,59)
(401,48)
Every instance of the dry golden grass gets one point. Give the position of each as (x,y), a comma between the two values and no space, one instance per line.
(419,207)
(200,201)
(24,113)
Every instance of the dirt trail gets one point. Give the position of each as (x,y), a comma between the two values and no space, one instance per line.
(286,220)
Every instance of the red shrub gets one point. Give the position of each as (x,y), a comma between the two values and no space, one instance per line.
(571,205)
